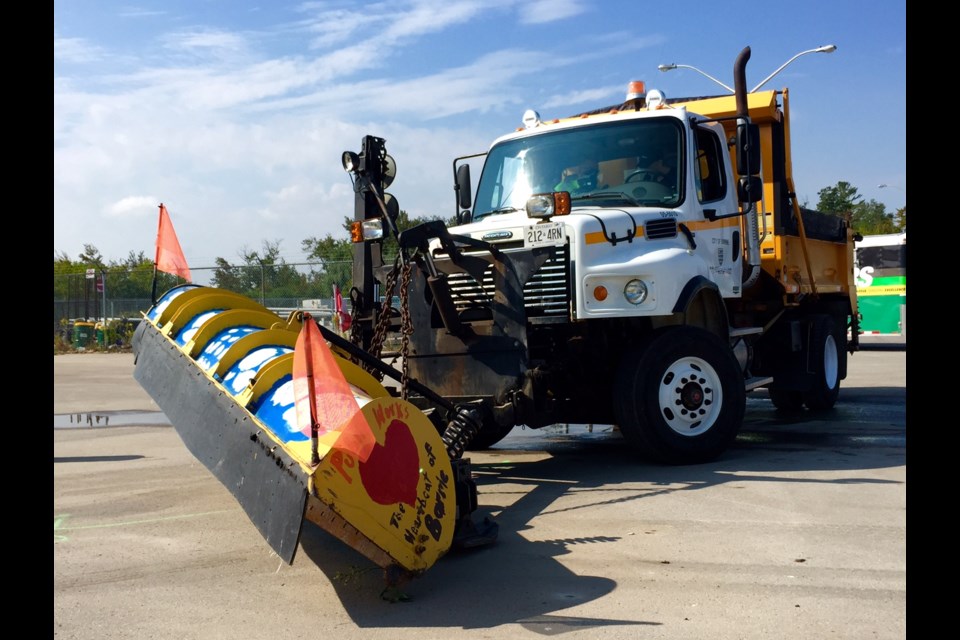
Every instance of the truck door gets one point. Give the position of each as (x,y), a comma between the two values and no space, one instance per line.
(718,241)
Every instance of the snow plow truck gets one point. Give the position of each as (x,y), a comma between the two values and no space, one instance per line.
(645,265)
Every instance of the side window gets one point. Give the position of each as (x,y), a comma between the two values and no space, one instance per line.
(710,176)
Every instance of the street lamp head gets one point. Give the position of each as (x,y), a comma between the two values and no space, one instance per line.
(669,67)
(827,48)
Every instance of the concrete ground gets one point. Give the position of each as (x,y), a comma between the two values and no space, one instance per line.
(798,532)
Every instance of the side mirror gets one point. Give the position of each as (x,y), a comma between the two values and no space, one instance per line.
(464,197)
(750,189)
(748,149)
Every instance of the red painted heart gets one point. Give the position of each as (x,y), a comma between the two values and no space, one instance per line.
(392,472)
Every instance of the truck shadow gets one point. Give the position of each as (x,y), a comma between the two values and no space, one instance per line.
(567,471)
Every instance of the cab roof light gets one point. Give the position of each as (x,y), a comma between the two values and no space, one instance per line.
(636,89)
(531,119)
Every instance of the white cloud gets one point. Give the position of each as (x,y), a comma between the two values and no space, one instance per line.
(75,50)
(211,41)
(138,206)
(540,11)
(598,96)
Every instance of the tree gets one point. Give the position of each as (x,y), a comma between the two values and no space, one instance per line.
(335,256)
(70,281)
(870,218)
(839,199)
(867,218)
(900,219)
(128,284)
(132,279)
(334,260)
(228,277)
(263,274)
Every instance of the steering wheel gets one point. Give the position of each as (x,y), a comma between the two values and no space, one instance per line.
(650,191)
(641,175)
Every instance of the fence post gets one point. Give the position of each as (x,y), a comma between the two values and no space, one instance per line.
(262,303)
(103,291)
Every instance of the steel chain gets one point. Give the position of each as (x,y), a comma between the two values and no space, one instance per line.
(383,321)
(406,326)
(356,333)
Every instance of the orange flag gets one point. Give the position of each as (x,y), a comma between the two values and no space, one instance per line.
(322,396)
(169,254)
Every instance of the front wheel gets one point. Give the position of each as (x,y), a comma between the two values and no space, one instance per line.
(490,434)
(679,397)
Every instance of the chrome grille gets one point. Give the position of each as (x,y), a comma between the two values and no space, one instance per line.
(545,294)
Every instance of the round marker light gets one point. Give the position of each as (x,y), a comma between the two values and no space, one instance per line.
(531,119)
(600,293)
(656,99)
(635,291)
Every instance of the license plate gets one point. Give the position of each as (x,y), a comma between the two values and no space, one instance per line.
(545,234)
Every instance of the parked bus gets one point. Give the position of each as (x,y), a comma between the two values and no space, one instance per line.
(881,275)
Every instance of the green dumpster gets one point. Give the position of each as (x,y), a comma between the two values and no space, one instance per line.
(83,334)
(101,334)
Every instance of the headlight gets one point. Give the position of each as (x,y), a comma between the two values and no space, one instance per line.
(351,161)
(635,291)
(369,229)
(547,205)
(373,229)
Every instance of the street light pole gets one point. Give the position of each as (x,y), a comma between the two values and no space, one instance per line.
(828,48)
(670,67)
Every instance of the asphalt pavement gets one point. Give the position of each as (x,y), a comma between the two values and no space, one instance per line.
(798,532)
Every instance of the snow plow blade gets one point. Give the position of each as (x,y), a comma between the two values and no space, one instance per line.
(220,365)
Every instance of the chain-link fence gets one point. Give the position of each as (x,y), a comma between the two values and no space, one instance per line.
(100,308)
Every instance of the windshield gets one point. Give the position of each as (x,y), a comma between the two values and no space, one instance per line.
(616,164)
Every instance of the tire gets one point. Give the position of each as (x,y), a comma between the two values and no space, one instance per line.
(786,400)
(489,435)
(826,359)
(679,397)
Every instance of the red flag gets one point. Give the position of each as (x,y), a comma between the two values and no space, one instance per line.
(169,254)
(342,316)
(323,396)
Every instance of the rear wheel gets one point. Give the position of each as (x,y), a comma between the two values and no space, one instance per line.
(826,359)
(679,397)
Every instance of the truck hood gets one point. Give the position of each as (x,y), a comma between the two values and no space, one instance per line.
(509,228)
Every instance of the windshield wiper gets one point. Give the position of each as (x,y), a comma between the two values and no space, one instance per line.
(498,211)
(607,195)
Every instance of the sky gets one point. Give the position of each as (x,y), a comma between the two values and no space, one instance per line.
(234,114)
